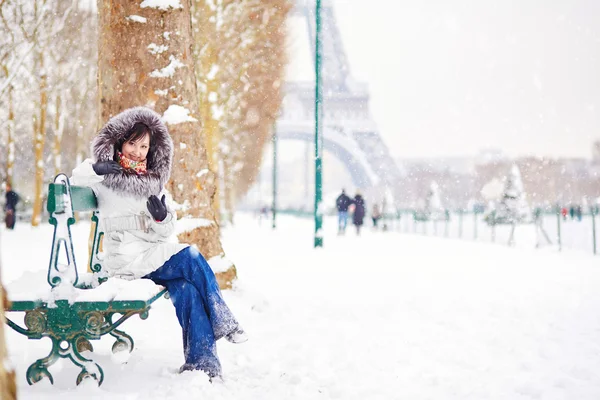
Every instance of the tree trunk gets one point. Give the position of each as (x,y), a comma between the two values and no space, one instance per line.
(150,64)
(57,136)
(39,140)
(207,74)
(8,387)
(228,193)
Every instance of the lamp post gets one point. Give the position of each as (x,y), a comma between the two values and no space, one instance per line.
(274,205)
(318,213)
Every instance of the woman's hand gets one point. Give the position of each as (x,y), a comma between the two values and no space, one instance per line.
(106,167)
(156,207)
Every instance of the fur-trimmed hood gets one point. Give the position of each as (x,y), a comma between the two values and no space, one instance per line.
(159,157)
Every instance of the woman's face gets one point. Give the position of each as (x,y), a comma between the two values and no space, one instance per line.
(138,150)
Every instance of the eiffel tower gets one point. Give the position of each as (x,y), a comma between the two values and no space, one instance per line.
(349,131)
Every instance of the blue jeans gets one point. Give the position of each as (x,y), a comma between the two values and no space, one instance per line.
(203,315)
(342,220)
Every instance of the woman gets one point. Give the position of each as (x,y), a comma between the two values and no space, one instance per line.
(359,211)
(133,154)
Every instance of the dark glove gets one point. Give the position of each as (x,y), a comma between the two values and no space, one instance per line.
(157,208)
(106,167)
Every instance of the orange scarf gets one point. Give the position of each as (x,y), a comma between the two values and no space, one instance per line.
(138,166)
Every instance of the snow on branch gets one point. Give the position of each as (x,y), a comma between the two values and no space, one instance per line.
(169,70)
(156,49)
(162,4)
(177,114)
(15,67)
(137,18)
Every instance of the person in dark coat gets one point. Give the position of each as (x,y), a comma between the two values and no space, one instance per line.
(342,203)
(359,212)
(10,207)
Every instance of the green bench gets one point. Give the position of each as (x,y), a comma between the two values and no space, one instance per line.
(73,321)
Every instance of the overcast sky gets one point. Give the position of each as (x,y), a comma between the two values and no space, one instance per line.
(450,77)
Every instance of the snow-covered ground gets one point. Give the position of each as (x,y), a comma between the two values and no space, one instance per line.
(381,316)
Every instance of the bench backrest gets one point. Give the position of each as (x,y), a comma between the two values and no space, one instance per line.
(82,198)
(61,207)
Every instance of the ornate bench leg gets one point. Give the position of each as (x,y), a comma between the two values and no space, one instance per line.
(39,369)
(89,369)
(123,342)
(82,344)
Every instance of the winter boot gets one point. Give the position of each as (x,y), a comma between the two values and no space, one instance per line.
(237,336)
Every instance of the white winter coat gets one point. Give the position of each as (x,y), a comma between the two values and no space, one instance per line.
(134,243)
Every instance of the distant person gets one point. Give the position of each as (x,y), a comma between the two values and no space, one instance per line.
(578,212)
(359,212)
(342,203)
(264,212)
(564,212)
(375,215)
(572,212)
(10,207)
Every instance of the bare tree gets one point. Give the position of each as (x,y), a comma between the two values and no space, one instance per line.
(38,71)
(206,55)
(239,48)
(10,141)
(265,76)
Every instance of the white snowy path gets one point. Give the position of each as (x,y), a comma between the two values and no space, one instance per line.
(381,316)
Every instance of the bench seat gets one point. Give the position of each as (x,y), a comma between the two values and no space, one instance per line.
(32,287)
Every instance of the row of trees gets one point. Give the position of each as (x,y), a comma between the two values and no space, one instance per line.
(240,59)
(548,181)
(49,72)
(47,86)
(506,199)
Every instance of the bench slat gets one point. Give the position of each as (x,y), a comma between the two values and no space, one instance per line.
(114,305)
(82,197)
(24,305)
